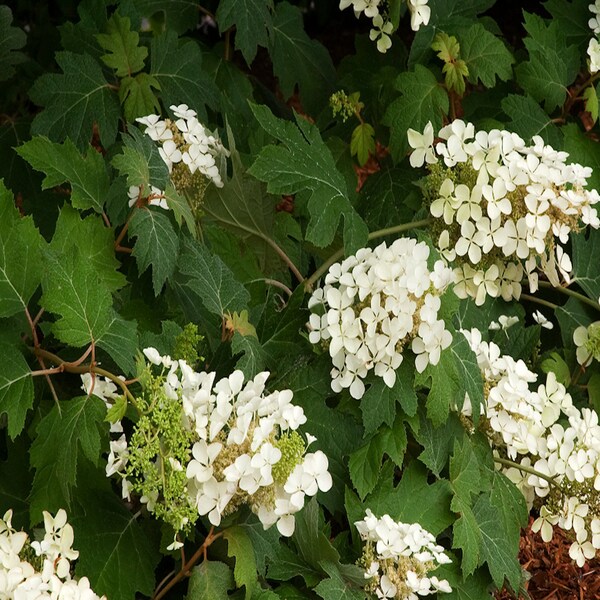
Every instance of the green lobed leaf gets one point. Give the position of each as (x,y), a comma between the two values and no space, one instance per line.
(583,150)
(365,465)
(243,207)
(572,17)
(378,405)
(239,546)
(73,291)
(75,101)
(438,442)
(456,374)
(252,360)
(177,67)
(62,163)
(289,565)
(69,430)
(11,40)
(157,244)
(498,550)
(140,161)
(527,119)
(117,551)
(465,474)
(137,97)
(309,537)
(486,56)
(120,341)
(92,241)
(466,536)
(336,588)
(423,99)
(252,20)
(16,388)
(413,500)
(556,364)
(586,269)
(303,162)
(20,256)
(552,65)
(313,70)
(210,279)
(210,581)
(124,54)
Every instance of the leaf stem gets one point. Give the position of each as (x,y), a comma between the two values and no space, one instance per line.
(526,469)
(569,292)
(69,367)
(310,282)
(185,569)
(539,301)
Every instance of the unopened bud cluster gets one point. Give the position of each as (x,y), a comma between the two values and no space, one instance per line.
(523,424)
(205,448)
(189,150)
(503,209)
(40,569)
(376,304)
(398,558)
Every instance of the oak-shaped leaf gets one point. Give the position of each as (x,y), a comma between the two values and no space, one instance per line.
(304,162)
(75,101)
(63,163)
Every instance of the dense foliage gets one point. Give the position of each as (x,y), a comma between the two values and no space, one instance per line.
(297,299)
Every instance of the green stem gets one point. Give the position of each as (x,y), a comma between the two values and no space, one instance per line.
(310,282)
(525,469)
(539,301)
(569,292)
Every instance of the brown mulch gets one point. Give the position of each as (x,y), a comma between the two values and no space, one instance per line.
(554,576)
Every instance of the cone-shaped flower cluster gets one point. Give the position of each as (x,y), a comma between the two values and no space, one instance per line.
(398,557)
(219,445)
(193,154)
(503,209)
(373,306)
(50,574)
(523,424)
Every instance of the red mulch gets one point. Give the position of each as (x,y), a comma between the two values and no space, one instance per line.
(554,576)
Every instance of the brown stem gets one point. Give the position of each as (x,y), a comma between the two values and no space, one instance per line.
(574,94)
(68,367)
(227,52)
(185,569)
(123,249)
(123,231)
(38,316)
(32,325)
(106,220)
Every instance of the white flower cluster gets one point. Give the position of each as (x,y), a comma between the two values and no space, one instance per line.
(246,448)
(593,49)
(378,11)
(525,424)
(587,340)
(188,149)
(398,557)
(51,579)
(374,304)
(503,208)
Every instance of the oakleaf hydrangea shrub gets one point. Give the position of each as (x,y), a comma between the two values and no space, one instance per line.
(349,352)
